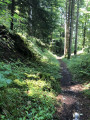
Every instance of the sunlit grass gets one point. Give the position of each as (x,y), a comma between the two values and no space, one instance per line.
(31,86)
(31,94)
(79,66)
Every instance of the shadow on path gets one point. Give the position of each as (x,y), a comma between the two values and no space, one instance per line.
(71,98)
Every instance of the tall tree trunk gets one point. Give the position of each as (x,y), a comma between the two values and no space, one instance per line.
(84,35)
(67,31)
(75,48)
(51,18)
(65,42)
(30,20)
(12,13)
(71,27)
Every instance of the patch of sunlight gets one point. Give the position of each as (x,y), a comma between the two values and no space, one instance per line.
(34,92)
(20,83)
(79,52)
(50,94)
(31,43)
(44,59)
(37,84)
(86,86)
(40,94)
(17,11)
(22,35)
(36,49)
(76,88)
(31,75)
(40,42)
(55,55)
(60,57)
(51,53)
(30,92)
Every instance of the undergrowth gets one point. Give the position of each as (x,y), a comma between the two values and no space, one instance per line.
(28,88)
(79,66)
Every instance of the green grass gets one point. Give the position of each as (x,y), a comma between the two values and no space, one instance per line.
(28,88)
(86,90)
(79,66)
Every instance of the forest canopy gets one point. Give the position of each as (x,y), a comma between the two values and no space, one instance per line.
(50,21)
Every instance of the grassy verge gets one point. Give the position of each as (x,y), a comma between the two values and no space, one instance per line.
(28,88)
(79,66)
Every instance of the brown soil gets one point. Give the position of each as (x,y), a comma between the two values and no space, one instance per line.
(71,98)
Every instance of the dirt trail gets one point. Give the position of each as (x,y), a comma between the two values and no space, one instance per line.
(71,98)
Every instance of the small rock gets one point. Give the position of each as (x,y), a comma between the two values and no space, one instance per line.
(81,114)
(64,98)
(76,116)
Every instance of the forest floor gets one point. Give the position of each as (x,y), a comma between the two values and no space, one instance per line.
(71,98)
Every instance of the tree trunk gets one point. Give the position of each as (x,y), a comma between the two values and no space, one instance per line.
(51,18)
(71,27)
(75,48)
(65,42)
(67,31)
(12,13)
(84,35)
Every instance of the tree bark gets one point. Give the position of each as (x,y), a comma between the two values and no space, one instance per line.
(76,36)
(67,30)
(12,14)
(65,42)
(84,35)
(71,27)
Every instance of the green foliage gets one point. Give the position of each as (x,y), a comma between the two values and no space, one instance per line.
(3,81)
(86,90)
(30,86)
(5,16)
(30,96)
(38,18)
(79,66)
(4,71)
(57,46)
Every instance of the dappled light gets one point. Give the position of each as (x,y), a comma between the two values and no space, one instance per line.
(44,59)
(78,53)
(77,88)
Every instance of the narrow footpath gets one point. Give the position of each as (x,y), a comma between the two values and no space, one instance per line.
(73,103)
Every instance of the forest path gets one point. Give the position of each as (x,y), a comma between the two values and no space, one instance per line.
(71,98)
